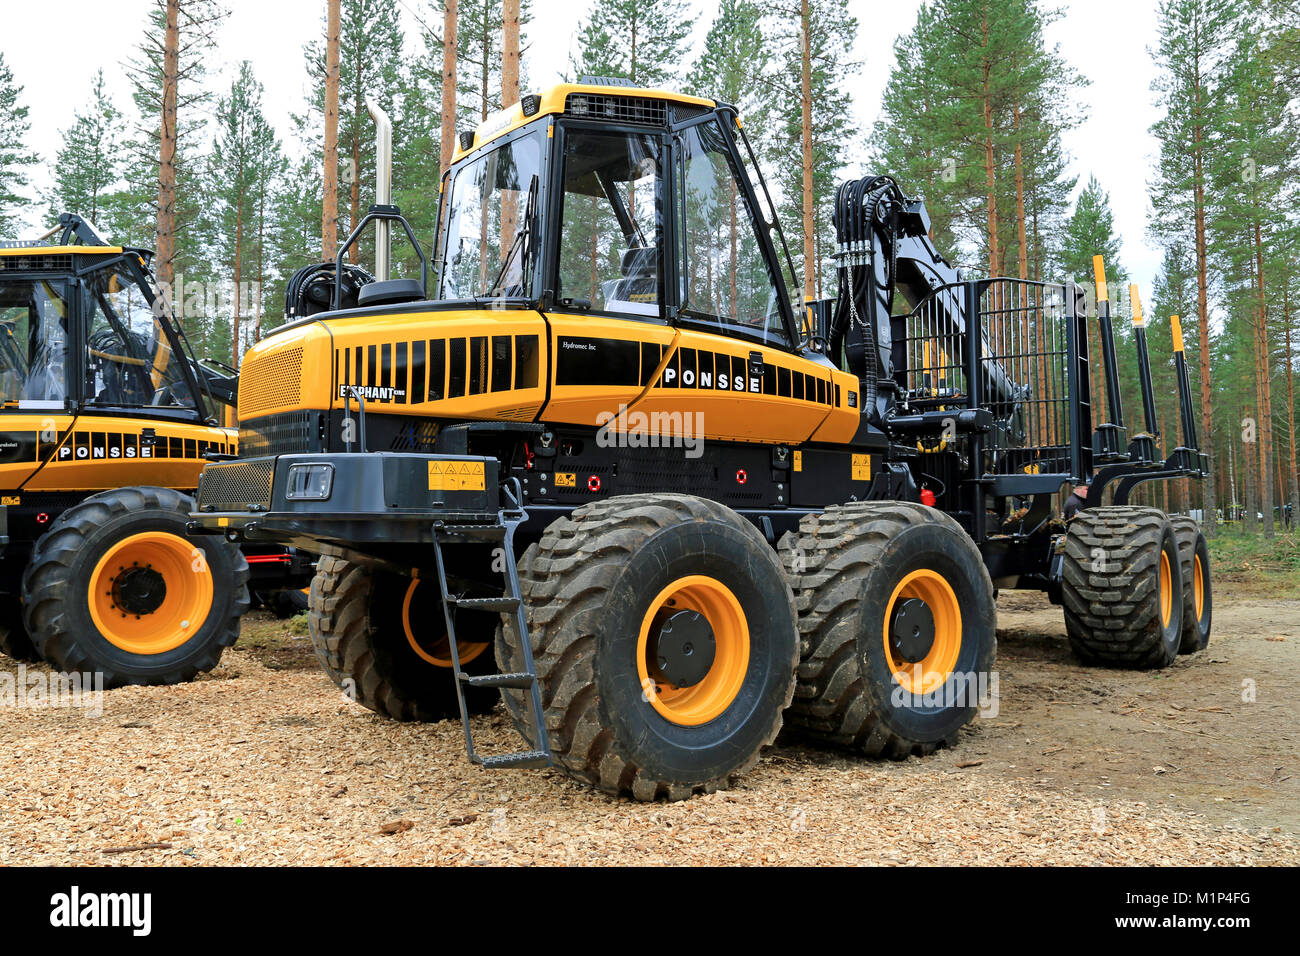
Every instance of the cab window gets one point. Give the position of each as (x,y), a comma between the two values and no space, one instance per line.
(610,223)
(725,280)
(34,341)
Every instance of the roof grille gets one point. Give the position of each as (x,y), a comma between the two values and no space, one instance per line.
(619,109)
(60,263)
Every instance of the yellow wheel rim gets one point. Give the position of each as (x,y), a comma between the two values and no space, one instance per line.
(1166,589)
(709,697)
(1198,587)
(439,655)
(936,667)
(150,593)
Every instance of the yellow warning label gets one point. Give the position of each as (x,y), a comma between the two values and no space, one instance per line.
(798,461)
(861,467)
(566,479)
(456,476)
(10,501)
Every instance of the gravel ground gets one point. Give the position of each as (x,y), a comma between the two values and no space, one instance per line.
(264,762)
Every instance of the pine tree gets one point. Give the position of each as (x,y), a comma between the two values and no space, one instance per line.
(246,158)
(164,202)
(1193,43)
(643,41)
(830,30)
(371,64)
(88,164)
(1090,231)
(15,154)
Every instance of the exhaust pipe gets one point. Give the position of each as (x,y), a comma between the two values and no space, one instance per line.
(383,184)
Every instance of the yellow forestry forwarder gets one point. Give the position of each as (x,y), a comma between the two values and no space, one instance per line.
(727,511)
(106,421)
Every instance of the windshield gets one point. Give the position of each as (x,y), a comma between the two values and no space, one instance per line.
(491,205)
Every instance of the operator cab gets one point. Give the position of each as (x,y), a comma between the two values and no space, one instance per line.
(593,198)
(82,326)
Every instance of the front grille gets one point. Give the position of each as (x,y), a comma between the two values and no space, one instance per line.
(618,109)
(236,486)
(270,381)
(284,434)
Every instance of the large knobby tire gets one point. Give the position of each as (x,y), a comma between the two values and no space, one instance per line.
(620,597)
(1122,588)
(1198,596)
(117,587)
(879,672)
(13,633)
(382,639)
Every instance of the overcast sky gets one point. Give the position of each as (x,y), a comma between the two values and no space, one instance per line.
(55,48)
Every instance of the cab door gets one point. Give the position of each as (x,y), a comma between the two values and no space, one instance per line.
(35,351)
(734,364)
(608,328)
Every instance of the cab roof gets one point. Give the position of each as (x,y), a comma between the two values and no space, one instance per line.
(41,249)
(556,99)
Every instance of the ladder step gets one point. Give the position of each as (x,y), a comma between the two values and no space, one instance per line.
(525,758)
(520,681)
(486,604)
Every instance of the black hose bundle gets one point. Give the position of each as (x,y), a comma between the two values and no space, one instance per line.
(866,223)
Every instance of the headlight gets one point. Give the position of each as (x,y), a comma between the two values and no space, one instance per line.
(310,481)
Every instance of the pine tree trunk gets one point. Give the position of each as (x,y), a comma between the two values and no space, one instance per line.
(166,244)
(239,249)
(448,83)
(990,175)
(1020,201)
(1293,477)
(509,96)
(805,97)
(1203,307)
(1265,387)
(354,206)
(330,206)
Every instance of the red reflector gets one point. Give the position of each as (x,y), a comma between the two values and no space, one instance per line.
(593,483)
(742,476)
(927,497)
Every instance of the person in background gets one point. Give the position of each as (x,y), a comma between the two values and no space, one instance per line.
(1078,499)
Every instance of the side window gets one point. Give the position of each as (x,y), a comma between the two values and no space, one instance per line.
(724,277)
(488,248)
(33,340)
(610,229)
(129,360)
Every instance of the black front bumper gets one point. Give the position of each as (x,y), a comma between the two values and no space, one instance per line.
(375,499)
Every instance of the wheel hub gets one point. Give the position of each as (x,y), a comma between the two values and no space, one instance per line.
(139,590)
(683,649)
(911,632)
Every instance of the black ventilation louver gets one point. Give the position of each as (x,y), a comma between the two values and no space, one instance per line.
(618,109)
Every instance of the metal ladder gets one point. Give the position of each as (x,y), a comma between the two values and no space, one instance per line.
(503,532)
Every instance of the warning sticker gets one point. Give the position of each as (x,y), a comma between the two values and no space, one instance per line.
(798,461)
(861,467)
(566,479)
(456,476)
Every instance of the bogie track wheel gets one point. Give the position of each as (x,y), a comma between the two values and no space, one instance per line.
(382,639)
(897,625)
(663,632)
(116,586)
(1198,595)
(1122,587)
